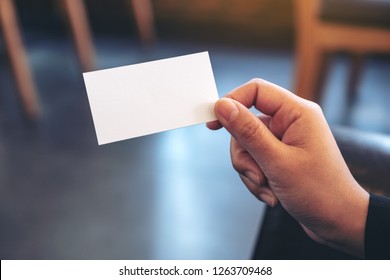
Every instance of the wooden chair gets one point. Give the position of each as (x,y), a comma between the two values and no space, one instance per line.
(18,58)
(14,44)
(317,37)
(144,17)
(76,13)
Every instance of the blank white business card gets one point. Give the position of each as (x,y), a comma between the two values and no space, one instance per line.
(146,98)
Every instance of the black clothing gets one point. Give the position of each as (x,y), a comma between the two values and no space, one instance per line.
(377,234)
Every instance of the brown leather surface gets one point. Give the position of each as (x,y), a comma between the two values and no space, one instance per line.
(368,157)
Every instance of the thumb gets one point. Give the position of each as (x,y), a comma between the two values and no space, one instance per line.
(248,130)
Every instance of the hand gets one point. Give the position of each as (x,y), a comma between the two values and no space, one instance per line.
(289,155)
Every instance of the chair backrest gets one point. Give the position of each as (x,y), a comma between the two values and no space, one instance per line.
(370,13)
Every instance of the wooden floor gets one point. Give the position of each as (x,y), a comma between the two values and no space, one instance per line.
(172,195)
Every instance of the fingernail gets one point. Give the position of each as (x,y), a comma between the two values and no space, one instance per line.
(228,109)
(253,177)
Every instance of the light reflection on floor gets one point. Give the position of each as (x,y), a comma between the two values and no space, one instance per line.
(196,195)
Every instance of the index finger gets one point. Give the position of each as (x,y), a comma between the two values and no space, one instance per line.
(267,97)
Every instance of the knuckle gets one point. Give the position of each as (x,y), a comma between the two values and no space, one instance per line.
(257,81)
(312,106)
(239,164)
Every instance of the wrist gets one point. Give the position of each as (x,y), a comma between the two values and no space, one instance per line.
(349,221)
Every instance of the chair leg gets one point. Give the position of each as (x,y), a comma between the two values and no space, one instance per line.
(354,78)
(18,58)
(309,73)
(143,12)
(81,32)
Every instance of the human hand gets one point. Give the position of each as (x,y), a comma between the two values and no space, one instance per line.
(289,155)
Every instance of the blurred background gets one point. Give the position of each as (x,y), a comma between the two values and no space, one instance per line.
(172,195)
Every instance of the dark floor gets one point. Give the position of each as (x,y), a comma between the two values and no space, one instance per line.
(172,195)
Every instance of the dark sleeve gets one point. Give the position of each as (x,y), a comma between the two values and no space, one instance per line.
(377,234)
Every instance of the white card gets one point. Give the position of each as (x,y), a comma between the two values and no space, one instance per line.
(146,98)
